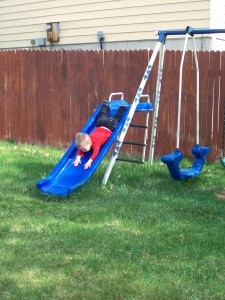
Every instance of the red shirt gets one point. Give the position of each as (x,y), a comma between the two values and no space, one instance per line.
(98,138)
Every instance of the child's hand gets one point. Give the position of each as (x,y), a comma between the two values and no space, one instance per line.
(88,164)
(77,161)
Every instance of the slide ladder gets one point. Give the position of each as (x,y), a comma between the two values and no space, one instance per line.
(141,127)
(158,47)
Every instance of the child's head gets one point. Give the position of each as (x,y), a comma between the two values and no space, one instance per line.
(83,141)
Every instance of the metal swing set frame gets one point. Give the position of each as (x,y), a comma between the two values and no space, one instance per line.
(171,160)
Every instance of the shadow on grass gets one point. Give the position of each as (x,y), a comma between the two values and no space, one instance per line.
(23,181)
(30,172)
(125,178)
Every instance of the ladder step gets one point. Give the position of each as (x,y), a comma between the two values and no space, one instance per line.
(139,126)
(131,160)
(134,143)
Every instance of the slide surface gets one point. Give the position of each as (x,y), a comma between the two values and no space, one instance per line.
(65,178)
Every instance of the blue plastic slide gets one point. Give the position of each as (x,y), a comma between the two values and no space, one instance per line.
(65,178)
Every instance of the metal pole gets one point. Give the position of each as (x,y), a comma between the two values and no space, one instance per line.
(131,113)
(197,92)
(190,30)
(193,31)
(157,100)
(180,92)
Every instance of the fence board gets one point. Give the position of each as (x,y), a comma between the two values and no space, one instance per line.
(216,117)
(174,92)
(51,97)
(203,84)
(164,106)
(172,97)
(6,91)
(23,73)
(204,95)
(221,131)
(73,124)
(31,97)
(79,83)
(211,99)
(184,136)
(14,95)
(93,93)
(3,100)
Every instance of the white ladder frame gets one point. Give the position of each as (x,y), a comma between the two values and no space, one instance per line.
(131,112)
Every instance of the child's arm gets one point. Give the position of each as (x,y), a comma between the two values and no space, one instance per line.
(92,158)
(88,164)
(77,161)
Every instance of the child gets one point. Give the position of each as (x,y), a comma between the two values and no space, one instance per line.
(104,127)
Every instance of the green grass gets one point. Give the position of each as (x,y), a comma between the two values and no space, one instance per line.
(143,236)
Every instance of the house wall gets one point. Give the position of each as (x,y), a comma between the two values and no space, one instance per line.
(217,20)
(126,24)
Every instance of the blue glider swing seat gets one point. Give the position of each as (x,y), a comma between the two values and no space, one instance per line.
(173,159)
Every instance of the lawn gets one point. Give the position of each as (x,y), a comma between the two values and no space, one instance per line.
(143,236)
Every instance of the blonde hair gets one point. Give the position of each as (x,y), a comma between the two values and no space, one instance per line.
(82,139)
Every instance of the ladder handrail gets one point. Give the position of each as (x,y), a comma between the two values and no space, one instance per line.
(113,94)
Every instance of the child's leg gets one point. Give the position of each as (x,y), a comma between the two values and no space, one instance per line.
(110,122)
(103,119)
(120,113)
(104,111)
(115,119)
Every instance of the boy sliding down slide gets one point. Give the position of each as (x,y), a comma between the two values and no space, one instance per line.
(104,127)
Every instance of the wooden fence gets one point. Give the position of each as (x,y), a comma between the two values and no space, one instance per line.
(47,96)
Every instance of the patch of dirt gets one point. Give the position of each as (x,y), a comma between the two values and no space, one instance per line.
(222,195)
